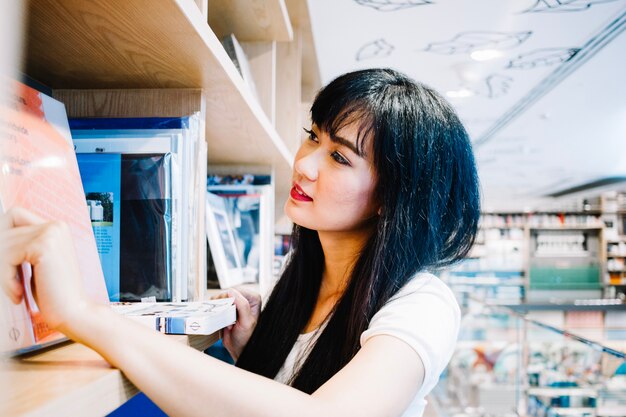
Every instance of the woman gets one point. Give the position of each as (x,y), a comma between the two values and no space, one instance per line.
(384,191)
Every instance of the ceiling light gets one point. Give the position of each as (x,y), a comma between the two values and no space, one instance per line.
(485,54)
(462,93)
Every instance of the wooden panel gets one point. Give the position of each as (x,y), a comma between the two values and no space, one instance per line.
(301,18)
(131,102)
(113,44)
(70,380)
(288,115)
(288,67)
(199,342)
(262,60)
(251,20)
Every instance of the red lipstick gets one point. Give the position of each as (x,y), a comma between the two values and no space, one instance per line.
(298,194)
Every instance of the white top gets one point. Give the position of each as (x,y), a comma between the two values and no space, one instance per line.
(424,314)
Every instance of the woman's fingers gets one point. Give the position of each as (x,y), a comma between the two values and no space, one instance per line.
(17,217)
(19,229)
(48,247)
(244,315)
(254,299)
(15,245)
(13,288)
(247,303)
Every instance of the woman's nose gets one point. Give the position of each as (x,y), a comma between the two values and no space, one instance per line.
(307,165)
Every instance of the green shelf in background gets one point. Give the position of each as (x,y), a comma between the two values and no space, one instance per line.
(575,278)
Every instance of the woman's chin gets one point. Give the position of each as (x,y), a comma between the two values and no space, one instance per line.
(291,211)
(291,215)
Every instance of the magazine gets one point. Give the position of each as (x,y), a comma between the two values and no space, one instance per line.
(201,317)
(102,183)
(41,174)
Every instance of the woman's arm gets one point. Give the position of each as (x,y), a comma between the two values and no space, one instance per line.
(380,381)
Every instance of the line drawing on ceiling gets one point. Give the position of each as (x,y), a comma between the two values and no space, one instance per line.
(563,6)
(380,48)
(392,5)
(496,85)
(596,42)
(466,42)
(542,58)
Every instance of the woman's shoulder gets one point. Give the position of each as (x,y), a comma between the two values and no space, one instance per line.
(425,283)
(424,295)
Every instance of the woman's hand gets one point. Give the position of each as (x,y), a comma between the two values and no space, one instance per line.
(56,284)
(248,304)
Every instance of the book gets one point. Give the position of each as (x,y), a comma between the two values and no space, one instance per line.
(101,177)
(240,60)
(191,318)
(249,210)
(221,239)
(40,173)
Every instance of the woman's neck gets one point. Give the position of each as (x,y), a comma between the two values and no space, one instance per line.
(341,251)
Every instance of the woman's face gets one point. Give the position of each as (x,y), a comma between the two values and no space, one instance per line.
(333,185)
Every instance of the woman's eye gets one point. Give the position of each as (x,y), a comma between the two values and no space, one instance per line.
(340,159)
(312,135)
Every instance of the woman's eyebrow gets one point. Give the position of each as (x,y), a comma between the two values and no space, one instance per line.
(347,144)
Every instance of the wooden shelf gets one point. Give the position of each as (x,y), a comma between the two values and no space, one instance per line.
(70,380)
(116,44)
(251,21)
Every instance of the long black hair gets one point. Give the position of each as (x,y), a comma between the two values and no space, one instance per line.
(428,190)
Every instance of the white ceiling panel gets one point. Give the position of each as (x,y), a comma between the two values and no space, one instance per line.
(539,83)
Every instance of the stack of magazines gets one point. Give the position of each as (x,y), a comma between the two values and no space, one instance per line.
(142,188)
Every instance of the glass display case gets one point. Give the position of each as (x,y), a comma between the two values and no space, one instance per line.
(539,361)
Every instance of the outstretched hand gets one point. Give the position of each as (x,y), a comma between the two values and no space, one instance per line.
(47,246)
(248,304)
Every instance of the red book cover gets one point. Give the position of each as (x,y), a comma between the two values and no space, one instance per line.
(38,171)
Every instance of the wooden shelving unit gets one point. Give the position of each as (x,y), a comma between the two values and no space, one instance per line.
(73,44)
(136,59)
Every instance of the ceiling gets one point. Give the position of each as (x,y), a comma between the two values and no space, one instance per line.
(539,84)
